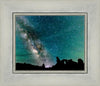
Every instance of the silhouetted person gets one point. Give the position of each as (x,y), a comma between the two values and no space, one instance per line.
(43,66)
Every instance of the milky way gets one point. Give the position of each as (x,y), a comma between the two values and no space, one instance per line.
(39,39)
(34,44)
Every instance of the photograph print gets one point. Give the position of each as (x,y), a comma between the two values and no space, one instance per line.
(49,42)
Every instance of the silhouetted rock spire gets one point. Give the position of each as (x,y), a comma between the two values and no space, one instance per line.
(58,60)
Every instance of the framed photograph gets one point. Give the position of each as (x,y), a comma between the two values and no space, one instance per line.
(49,43)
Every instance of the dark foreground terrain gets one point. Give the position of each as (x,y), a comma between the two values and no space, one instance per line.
(60,65)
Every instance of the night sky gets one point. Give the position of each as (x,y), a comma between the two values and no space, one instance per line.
(40,39)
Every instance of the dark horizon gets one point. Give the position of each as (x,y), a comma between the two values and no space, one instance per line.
(63,64)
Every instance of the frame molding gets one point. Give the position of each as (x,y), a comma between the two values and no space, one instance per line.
(8,78)
(52,14)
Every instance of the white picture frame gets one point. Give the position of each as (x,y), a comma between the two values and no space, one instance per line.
(8,78)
